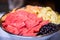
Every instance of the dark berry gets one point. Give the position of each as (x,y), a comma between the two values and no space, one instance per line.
(47,29)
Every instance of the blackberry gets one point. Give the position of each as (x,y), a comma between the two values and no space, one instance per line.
(47,29)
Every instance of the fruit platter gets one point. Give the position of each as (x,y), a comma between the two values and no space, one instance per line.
(31,21)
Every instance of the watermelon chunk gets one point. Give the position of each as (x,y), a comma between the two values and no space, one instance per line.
(12,30)
(29,34)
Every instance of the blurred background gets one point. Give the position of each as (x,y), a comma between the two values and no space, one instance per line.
(6,5)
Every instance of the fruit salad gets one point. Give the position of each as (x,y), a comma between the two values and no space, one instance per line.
(31,21)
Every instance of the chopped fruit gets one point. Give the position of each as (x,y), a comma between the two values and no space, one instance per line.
(25,30)
(44,22)
(40,25)
(21,22)
(48,28)
(29,34)
(12,29)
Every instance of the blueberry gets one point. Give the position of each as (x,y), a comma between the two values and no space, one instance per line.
(47,29)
